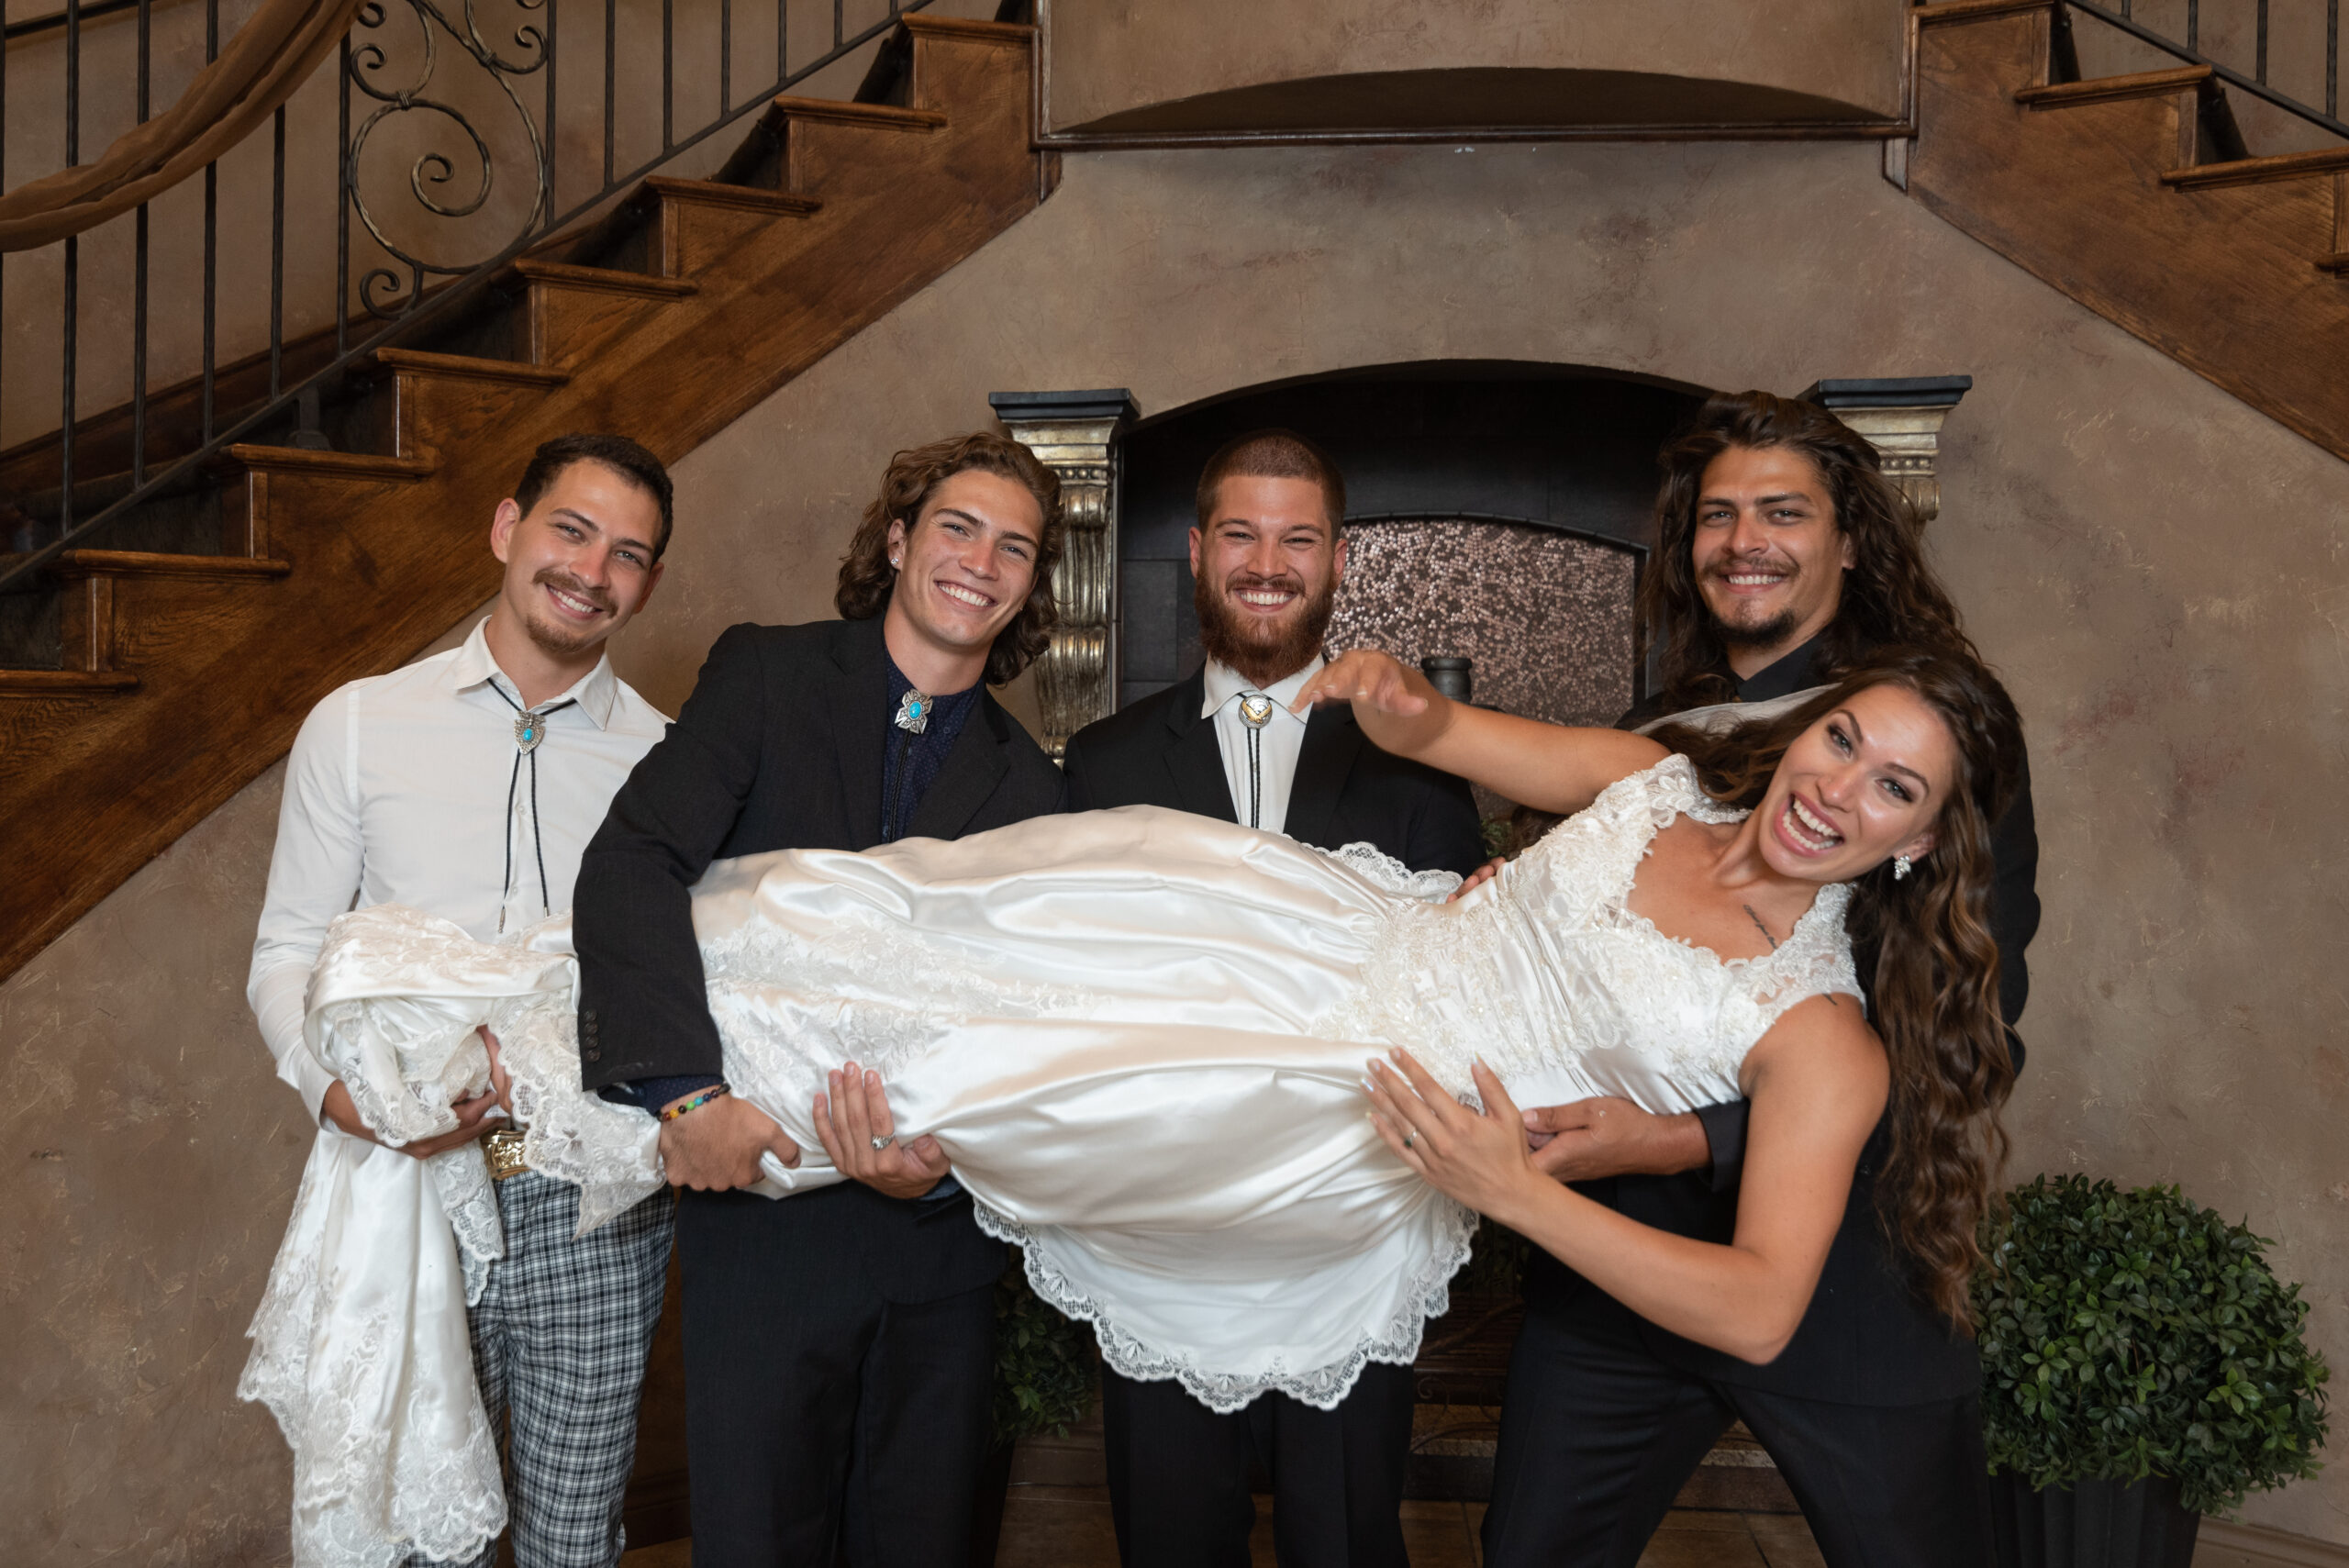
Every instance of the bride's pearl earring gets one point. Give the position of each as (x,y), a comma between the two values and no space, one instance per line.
(1900,867)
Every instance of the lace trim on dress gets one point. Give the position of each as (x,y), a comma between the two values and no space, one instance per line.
(1437,980)
(1383,870)
(1396,1342)
(366,1492)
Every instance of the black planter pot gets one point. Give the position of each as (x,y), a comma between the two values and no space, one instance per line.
(2092,1524)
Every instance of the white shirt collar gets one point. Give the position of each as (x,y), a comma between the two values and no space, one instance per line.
(1224,684)
(594,691)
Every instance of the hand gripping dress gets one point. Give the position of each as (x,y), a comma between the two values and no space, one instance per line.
(1139,1035)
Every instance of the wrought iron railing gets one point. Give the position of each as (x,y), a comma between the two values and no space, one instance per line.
(415,81)
(2136,19)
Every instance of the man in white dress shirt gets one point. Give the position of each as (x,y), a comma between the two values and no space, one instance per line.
(467,785)
(1266,558)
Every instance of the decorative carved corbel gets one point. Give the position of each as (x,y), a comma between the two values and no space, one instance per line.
(1901,416)
(1074,434)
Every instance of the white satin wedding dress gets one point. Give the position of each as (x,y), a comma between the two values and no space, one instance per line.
(1138,1034)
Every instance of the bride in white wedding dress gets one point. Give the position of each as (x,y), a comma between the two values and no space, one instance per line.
(1139,1038)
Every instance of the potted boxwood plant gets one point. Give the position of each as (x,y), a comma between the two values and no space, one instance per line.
(2141,1366)
(1043,1383)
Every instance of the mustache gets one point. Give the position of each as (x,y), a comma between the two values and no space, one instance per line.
(1754,563)
(1289,581)
(551,577)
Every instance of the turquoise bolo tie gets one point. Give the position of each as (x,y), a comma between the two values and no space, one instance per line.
(913,717)
(530,728)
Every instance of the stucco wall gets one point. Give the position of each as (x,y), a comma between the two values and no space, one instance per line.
(2155,567)
(1133,63)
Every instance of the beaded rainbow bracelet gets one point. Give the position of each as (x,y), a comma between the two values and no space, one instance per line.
(715,1092)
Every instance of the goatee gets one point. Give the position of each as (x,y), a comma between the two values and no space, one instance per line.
(554,638)
(1264,652)
(1763,634)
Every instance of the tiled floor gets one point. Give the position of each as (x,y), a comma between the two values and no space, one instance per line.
(1068,1527)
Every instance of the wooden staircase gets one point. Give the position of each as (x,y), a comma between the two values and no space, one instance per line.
(168,677)
(2110,191)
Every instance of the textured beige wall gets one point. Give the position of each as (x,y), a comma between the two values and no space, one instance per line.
(2152,564)
(1123,58)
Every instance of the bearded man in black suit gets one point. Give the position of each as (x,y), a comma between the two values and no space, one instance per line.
(839,1342)
(1266,558)
(1783,557)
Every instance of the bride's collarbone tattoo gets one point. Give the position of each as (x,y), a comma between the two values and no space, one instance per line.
(1672,890)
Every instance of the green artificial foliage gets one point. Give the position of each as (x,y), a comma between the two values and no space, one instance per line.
(1043,1363)
(1496,1267)
(2127,1334)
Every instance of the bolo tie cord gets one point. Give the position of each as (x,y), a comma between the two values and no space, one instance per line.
(538,834)
(1255,777)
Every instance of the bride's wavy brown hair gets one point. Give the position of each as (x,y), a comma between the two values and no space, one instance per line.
(1935,991)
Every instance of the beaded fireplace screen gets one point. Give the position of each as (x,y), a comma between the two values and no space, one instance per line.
(1546,616)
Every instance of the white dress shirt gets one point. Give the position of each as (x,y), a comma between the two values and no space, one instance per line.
(398,793)
(1277,748)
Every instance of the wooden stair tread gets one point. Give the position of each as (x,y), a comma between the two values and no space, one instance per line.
(602,280)
(969,29)
(74,563)
(2337,264)
(881,117)
(330,465)
(470,367)
(2114,89)
(1966,10)
(751,198)
(2260,171)
(65,682)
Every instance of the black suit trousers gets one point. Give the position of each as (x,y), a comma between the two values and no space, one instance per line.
(824,1421)
(1598,1436)
(1178,1474)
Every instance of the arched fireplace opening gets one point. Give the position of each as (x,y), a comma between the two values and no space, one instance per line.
(1496,510)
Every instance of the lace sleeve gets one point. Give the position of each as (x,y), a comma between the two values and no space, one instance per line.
(1383,870)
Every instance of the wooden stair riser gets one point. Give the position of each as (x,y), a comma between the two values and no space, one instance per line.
(388,552)
(821,154)
(698,226)
(441,415)
(2224,279)
(568,324)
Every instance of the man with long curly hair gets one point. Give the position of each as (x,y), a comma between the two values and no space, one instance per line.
(1783,558)
(839,1344)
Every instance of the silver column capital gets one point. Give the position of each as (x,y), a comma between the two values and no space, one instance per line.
(1074,434)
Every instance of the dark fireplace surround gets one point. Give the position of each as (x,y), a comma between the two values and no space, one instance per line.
(1496,510)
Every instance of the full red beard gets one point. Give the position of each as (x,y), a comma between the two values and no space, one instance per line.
(1233,636)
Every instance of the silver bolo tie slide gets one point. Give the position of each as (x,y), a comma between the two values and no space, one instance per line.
(1255,712)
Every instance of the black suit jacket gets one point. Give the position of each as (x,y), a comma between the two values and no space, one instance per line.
(1160,752)
(1869,1337)
(780,747)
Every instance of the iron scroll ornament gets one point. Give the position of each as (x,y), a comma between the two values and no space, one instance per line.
(386,295)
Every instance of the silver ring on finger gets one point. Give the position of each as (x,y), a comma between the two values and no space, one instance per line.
(881,1143)
(1410,1137)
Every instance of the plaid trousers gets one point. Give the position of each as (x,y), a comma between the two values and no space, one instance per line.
(560,1335)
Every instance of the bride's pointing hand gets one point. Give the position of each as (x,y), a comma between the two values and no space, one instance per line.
(1479,1159)
(1396,708)
(1364,677)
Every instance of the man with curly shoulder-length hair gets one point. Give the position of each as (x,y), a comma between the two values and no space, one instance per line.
(840,1341)
(1784,557)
